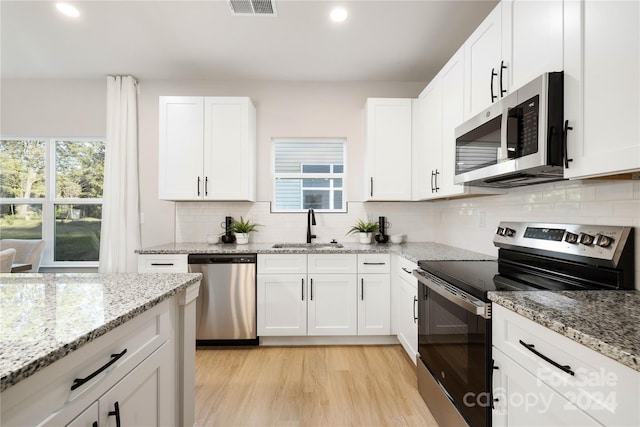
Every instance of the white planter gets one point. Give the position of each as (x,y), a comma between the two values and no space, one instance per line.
(242,238)
(366,238)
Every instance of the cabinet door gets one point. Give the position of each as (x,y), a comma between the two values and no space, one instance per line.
(430,141)
(374,308)
(332,307)
(602,82)
(282,304)
(89,418)
(483,52)
(523,400)
(229,148)
(181,133)
(452,90)
(144,397)
(388,149)
(531,39)
(407,310)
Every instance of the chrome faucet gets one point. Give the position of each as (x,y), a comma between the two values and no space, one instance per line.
(311,220)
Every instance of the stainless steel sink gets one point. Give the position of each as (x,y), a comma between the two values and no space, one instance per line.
(307,245)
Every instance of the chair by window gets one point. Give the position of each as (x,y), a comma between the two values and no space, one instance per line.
(27,252)
(6,259)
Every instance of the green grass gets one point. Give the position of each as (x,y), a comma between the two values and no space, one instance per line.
(77,240)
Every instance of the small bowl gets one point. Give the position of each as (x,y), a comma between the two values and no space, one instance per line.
(212,239)
(396,238)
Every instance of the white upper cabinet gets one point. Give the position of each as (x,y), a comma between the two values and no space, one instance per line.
(207,148)
(388,133)
(483,51)
(428,144)
(518,41)
(601,87)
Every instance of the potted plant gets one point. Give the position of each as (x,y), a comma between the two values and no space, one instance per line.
(242,229)
(365,230)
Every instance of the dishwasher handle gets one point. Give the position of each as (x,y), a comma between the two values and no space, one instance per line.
(222,259)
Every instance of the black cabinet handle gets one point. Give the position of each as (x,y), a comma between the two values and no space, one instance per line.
(361,289)
(567,128)
(311,295)
(375,263)
(493,74)
(371,187)
(502,67)
(198,185)
(80,381)
(563,368)
(206,185)
(415,303)
(161,263)
(437,188)
(116,412)
(302,289)
(406,271)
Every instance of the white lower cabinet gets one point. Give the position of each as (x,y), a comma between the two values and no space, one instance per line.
(542,378)
(406,305)
(163,263)
(321,295)
(144,366)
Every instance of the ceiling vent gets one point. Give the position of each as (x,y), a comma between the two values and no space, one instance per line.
(252,7)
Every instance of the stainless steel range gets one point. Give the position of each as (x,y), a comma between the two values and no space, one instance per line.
(454,312)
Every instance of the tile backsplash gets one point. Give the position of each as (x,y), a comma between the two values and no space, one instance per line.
(467,223)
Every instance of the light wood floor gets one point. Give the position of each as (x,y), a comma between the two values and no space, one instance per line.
(308,386)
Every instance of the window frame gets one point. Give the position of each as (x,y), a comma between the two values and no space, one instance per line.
(302,176)
(50,199)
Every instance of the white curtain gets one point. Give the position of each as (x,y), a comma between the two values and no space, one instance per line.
(120,234)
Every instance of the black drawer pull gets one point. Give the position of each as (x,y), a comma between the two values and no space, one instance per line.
(563,368)
(80,381)
(415,302)
(375,263)
(406,271)
(156,264)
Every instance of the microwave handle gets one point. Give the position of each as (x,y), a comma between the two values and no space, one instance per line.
(504,120)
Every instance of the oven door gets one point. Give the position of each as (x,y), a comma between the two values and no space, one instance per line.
(454,344)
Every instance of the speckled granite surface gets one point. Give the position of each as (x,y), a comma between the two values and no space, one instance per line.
(605,321)
(47,316)
(412,251)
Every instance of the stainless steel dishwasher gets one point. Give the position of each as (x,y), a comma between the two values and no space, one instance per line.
(226,306)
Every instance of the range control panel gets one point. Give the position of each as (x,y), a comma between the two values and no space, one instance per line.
(593,241)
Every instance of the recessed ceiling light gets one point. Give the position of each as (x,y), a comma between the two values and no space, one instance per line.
(68,10)
(338,14)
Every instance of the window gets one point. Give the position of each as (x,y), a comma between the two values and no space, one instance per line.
(52,189)
(309,174)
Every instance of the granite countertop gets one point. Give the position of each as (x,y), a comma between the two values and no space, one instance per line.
(421,251)
(44,317)
(605,321)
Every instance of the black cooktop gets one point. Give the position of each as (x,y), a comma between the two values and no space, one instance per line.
(479,277)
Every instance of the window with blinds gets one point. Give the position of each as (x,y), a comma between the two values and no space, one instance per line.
(308,174)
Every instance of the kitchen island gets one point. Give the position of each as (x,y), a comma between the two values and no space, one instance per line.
(76,347)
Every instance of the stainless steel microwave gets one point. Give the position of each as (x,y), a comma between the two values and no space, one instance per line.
(517,141)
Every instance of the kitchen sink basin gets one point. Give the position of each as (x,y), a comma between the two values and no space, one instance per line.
(307,245)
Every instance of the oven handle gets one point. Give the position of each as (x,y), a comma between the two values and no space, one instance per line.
(472,305)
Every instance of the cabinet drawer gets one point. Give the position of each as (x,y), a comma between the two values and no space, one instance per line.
(34,399)
(160,263)
(332,263)
(600,386)
(282,264)
(374,263)
(404,270)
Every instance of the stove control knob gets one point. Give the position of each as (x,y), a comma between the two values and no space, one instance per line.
(586,239)
(500,231)
(603,241)
(509,232)
(571,238)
